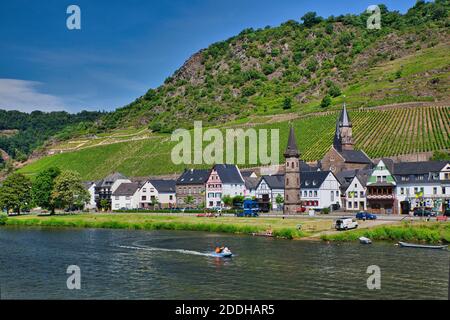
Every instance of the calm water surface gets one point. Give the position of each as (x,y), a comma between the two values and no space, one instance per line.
(125,264)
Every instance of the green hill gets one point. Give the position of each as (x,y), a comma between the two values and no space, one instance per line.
(292,71)
(292,67)
(380,133)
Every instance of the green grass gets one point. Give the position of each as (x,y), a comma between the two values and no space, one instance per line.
(416,232)
(282,228)
(379,133)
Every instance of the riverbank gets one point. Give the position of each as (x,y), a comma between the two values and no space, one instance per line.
(417,231)
(295,228)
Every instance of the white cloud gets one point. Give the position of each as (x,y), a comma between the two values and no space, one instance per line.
(24,96)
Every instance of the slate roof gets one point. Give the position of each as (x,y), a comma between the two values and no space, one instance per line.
(126,189)
(164,186)
(412,170)
(344,119)
(229,173)
(346,177)
(274,182)
(291,150)
(406,168)
(109,180)
(246,173)
(355,156)
(193,176)
(251,183)
(312,179)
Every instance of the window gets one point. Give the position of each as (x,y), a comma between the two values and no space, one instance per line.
(170,197)
(361,194)
(434,190)
(117,197)
(443,190)
(356,186)
(144,190)
(350,204)
(211,203)
(144,198)
(378,179)
(287,181)
(310,193)
(355,205)
(447,176)
(152,189)
(402,190)
(315,193)
(383,178)
(287,197)
(337,193)
(305,193)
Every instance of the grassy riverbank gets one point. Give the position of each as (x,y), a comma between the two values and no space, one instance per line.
(282,228)
(428,232)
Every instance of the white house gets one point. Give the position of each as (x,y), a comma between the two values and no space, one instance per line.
(422,184)
(223,180)
(159,193)
(269,188)
(125,196)
(319,189)
(355,194)
(251,183)
(90,187)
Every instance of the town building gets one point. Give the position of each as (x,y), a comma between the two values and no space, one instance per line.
(421,184)
(105,187)
(157,194)
(354,189)
(381,189)
(125,196)
(251,183)
(224,180)
(269,189)
(292,176)
(190,188)
(320,189)
(342,155)
(90,187)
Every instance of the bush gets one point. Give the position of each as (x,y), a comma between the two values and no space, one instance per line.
(326,101)
(3,219)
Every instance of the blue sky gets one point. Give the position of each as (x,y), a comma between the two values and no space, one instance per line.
(124,47)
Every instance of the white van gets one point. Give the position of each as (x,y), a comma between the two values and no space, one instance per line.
(346,224)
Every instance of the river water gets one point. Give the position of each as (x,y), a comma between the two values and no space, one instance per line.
(128,264)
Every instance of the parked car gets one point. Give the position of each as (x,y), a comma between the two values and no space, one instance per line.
(364,215)
(346,224)
(421,212)
(301,210)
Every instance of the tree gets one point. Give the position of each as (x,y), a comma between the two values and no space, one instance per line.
(227,201)
(15,193)
(69,190)
(441,156)
(279,200)
(43,187)
(189,200)
(104,204)
(310,19)
(155,202)
(287,103)
(326,101)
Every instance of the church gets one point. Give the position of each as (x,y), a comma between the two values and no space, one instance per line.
(342,155)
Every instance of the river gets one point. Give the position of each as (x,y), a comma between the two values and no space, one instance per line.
(128,264)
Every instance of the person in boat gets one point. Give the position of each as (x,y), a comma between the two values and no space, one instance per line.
(219,249)
(226,250)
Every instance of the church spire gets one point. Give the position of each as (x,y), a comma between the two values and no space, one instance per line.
(292,150)
(343,137)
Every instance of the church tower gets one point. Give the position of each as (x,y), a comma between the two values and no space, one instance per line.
(343,137)
(292,176)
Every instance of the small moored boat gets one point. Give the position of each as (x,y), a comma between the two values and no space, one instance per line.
(365,240)
(422,246)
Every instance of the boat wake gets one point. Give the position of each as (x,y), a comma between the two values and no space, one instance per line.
(183,251)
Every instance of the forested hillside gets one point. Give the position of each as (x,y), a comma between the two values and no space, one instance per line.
(28,131)
(300,66)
